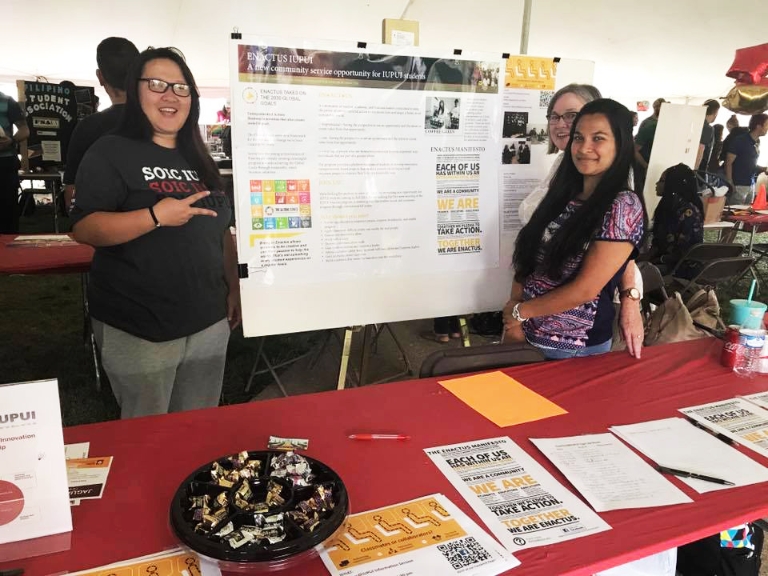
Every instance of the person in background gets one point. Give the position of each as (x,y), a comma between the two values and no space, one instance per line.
(222,116)
(11,115)
(656,107)
(644,144)
(635,120)
(164,291)
(114,57)
(734,130)
(678,222)
(707,139)
(561,112)
(741,160)
(445,328)
(715,165)
(570,257)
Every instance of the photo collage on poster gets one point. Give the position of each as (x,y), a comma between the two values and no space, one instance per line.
(280,204)
(519,135)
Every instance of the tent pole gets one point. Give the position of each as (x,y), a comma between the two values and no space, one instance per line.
(526,26)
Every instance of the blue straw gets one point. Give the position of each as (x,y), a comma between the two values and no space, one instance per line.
(752,290)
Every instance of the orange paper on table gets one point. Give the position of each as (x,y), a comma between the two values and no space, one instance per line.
(501,399)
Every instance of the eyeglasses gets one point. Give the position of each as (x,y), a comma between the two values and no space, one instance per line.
(161,87)
(568,117)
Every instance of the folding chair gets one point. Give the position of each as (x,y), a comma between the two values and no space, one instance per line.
(654,291)
(712,273)
(476,358)
(698,255)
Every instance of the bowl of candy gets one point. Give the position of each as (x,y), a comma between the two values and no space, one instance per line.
(259,511)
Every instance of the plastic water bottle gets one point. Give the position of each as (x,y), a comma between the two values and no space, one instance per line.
(747,363)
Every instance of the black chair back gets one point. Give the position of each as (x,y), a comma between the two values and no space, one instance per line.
(476,358)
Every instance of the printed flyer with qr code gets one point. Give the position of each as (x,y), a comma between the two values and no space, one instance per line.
(426,536)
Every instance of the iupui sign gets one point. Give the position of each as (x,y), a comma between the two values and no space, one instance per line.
(34,497)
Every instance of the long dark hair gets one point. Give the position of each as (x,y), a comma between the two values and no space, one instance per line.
(135,124)
(567,183)
(680,181)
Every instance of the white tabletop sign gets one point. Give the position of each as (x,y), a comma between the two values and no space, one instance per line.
(34,497)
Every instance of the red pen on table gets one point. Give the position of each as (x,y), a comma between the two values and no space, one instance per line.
(379,437)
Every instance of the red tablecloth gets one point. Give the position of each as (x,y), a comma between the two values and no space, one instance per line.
(749,221)
(43,259)
(153,455)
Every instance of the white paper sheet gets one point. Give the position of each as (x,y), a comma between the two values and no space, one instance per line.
(519,501)
(761,399)
(426,536)
(608,474)
(736,418)
(676,443)
(72,451)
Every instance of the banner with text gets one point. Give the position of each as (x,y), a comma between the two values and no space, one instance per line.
(353,164)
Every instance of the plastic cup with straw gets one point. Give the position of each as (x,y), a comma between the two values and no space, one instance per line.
(748,313)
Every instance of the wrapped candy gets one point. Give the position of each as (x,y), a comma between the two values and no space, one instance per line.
(293,467)
(274,497)
(239,538)
(238,460)
(227,529)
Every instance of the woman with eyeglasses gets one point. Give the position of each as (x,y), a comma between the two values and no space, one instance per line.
(164,291)
(561,112)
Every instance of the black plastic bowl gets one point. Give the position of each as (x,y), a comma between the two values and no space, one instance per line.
(296,542)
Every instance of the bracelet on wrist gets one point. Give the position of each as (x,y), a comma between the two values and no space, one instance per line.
(154,218)
(516,316)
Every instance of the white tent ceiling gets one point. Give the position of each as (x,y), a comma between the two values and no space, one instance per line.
(679,49)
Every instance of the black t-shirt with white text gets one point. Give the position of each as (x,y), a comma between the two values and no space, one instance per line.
(170,282)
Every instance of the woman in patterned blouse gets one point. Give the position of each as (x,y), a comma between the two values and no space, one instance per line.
(571,255)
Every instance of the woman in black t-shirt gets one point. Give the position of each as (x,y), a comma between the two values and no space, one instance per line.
(164,292)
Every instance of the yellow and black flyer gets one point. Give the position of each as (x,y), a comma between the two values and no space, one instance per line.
(428,535)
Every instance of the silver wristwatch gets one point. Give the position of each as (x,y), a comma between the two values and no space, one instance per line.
(516,313)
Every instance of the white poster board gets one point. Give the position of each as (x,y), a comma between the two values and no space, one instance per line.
(676,141)
(34,498)
(366,183)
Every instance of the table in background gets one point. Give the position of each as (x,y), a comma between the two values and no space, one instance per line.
(154,455)
(752,223)
(52,178)
(48,259)
(53,259)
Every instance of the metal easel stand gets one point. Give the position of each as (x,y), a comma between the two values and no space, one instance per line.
(261,356)
(464,329)
(371,335)
(88,338)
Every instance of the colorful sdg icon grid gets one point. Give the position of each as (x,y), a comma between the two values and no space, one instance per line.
(280,204)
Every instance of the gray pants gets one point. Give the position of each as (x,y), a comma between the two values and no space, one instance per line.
(160,377)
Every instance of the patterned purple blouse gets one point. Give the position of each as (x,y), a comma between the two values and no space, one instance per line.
(591,323)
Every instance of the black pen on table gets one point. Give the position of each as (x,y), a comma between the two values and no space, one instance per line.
(686,474)
(717,435)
